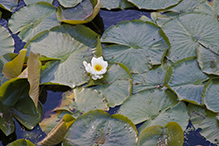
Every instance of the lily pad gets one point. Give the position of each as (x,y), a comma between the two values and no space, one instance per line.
(68,70)
(211,95)
(186,79)
(81,101)
(33,19)
(154,4)
(189,31)
(116,85)
(28,2)
(152,79)
(207,121)
(9,5)
(69,3)
(113,4)
(6,41)
(84,12)
(208,61)
(147,104)
(21,142)
(98,127)
(171,134)
(178,113)
(138,45)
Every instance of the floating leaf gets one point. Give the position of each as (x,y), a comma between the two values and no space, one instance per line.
(208,61)
(12,69)
(9,5)
(147,104)
(21,142)
(154,4)
(84,12)
(211,95)
(98,127)
(186,79)
(6,41)
(152,79)
(178,113)
(171,134)
(116,85)
(28,2)
(113,4)
(69,3)
(58,132)
(68,70)
(33,19)
(82,100)
(139,45)
(189,31)
(207,121)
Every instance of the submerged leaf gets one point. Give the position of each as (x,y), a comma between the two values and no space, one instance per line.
(98,127)
(84,12)
(21,142)
(170,135)
(143,45)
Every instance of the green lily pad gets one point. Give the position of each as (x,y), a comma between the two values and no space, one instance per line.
(189,31)
(9,5)
(6,41)
(84,12)
(98,127)
(178,113)
(113,4)
(28,2)
(116,85)
(186,79)
(147,104)
(171,135)
(69,3)
(138,45)
(152,79)
(211,95)
(33,19)
(81,101)
(21,142)
(155,4)
(68,70)
(57,134)
(207,121)
(208,61)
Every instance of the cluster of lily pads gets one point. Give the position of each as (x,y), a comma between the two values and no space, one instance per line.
(162,72)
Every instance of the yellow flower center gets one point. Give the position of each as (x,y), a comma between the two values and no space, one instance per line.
(98,67)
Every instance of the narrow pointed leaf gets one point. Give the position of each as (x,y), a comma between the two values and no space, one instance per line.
(138,45)
(34,68)
(12,69)
(33,19)
(57,134)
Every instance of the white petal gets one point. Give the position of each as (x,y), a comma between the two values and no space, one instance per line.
(94,77)
(87,66)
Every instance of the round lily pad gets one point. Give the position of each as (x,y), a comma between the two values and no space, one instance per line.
(6,41)
(113,4)
(98,127)
(137,44)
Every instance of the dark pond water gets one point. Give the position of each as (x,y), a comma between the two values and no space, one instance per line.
(51,95)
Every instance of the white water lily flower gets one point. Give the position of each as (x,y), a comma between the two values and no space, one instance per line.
(97,67)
